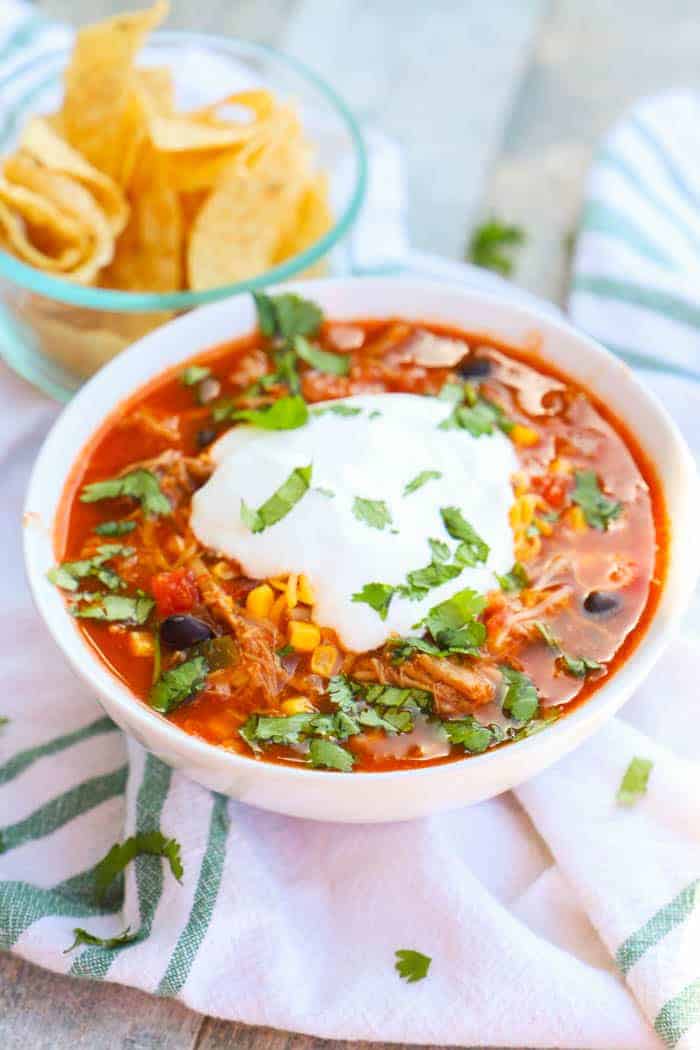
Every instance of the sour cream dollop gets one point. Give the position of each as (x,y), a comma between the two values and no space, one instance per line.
(372,454)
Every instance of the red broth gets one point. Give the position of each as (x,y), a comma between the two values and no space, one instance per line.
(593,588)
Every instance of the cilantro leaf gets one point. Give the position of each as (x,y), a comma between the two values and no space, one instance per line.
(454,613)
(376,595)
(327,755)
(321,360)
(536,725)
(337,410)
(282,729)
(195,374)
(342,690)
(153,843)
(286,316)
(328,493)
(373,512)
(286,413)
(85,937)
(598,510)
(280,503)
(116,608)
(492,244)
(138,484)
(420,581)
(520,700)
(515,580)
(115,528)
(471,734)
(576,666)
(420,480)
(396,696)
(633,785)
(472,549)
(178,684)
(411,965)
(66,576)
(452,392)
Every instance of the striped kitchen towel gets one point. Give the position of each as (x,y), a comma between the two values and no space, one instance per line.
(554,917)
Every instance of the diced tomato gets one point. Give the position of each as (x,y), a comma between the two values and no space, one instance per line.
(174,592)
(553,487)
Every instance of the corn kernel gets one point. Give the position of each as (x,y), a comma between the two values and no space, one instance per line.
(545,528)
(324,660)
(141,643)
(560,466)
(278,608)
(259,601)
(305,591)
(576,519)
(524,436)
(292,591)
(223,570)
(304,637)
(297,705)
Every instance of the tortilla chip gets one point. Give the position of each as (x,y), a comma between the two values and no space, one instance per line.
(98,83)
(72,199)
(312,219)
(38,231)
(41,141)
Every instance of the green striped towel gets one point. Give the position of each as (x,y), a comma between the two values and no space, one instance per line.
(553,916)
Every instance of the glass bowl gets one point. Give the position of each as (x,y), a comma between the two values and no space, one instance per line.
(56,333)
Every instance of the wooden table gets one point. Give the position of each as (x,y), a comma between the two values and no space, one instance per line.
(498,107)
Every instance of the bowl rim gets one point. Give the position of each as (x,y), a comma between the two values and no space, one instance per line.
(61,290)
(558,738)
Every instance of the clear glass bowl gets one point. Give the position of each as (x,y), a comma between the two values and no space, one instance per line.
(56,333)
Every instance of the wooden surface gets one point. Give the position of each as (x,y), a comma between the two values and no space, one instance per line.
(498,107)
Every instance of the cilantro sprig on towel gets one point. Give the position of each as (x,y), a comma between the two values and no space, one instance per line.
(633,785)
(412,965)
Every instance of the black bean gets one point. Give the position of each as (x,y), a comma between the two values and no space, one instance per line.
(180,632)
(600,603)
(472,367)
(205,437)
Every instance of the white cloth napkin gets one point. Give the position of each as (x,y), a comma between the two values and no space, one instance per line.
(554,917)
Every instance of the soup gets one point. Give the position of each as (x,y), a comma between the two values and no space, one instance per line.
(361,546)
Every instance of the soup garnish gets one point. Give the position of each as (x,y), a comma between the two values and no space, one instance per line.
(361,546)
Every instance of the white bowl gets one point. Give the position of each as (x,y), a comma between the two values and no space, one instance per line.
(366,796)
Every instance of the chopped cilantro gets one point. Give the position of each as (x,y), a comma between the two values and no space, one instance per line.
(321,360)
(115,608)
(472,735)
(411,965)
(492,244)
(453,624)
(472,549)
(515,580)
(286,316)
(153,843)
(85,937)
(536,725)
(328,493)
(178,684)
(286,413)
(598,510)
(3,721)
(375,414)
(576,666)
(479,416)
(377,595)
(520,700)
(286,650)
(280,502)
(138,484)
(395,696)
(285,729)
(66,576)
(373,512)
(633,785)
(195,374)
(420,581)
(327,755)
(115,528)
(452,392)
(420,480)
(337,410)
(342,690)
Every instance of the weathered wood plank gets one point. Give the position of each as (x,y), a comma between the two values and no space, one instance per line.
(43,1011)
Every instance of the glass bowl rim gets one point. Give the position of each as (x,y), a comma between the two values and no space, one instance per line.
(31,279)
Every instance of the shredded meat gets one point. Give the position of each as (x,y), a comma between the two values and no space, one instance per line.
(256,639)
(457,688)
(178,475)
(165,427)
(510,622)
